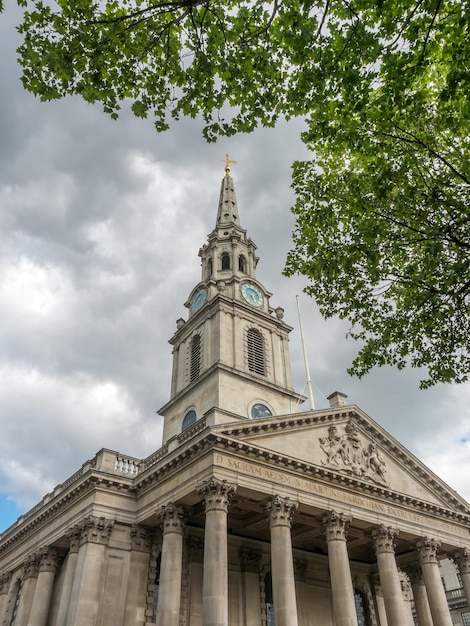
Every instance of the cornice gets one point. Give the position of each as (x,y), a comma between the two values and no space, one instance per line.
(92,481)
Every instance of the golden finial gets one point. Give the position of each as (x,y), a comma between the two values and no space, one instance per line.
(227,166)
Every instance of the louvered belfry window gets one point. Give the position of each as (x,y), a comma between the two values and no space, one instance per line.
(255,351)
(195,368)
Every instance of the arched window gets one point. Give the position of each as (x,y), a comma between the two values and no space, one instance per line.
(189,419)
(209,267)
(242,264)
(195,367)
(255,351)
(225,261)
(156,587)
(362,612)
(268,590)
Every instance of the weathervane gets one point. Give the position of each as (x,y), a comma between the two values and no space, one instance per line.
(227,166)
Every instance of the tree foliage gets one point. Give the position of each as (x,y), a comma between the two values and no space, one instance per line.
(382,230)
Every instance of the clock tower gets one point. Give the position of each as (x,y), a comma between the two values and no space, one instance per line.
(231,357)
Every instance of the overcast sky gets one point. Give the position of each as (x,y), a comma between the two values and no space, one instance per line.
(100,226)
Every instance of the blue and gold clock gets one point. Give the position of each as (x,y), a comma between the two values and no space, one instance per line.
(252,294)
(199,299)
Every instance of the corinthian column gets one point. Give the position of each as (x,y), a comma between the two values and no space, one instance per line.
(427,555)
(48,561)
(462,559)
(384,544)
(217,495)
(5,580)
(282,564)
(344,608)
(73,535)
(169,593)
(420,597)
(30,573)
(88,581)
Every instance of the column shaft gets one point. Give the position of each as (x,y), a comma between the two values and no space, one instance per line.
(169,593)
(5,581)
(70,566)
(282,564)
(340,573)
(462,559)
(27,591)
(43,589)
(384,540)
(217,496)
(88,581)
(423,611)
(427,552)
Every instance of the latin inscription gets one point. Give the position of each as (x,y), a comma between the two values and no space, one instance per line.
(336,494)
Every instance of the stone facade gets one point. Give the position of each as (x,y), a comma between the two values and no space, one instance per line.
(249,514)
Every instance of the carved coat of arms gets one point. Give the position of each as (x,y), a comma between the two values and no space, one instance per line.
(345,451)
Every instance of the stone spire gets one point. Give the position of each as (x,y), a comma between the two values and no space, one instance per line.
(228,209)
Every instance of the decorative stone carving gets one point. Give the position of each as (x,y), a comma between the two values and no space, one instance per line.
(96,530)
(172,517)
(414,573)
(5,580)
(346,452)
(281,511)
(249,560)
(376,584)
(195,550)
(73,535)
(140,538)
(462,559)
(336,526)
(300,569)
(383,538)
(31,566)
(427,550)
(217,494)
(48,560)
(405,585)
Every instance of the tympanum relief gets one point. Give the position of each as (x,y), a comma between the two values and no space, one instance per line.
(347,452)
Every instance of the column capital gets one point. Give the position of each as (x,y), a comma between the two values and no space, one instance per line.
(140,538)
(172,517)
(383,538)
(31,566)
(281,511)
(336,526)
(427,550)
(5,579)
(217,494)
(195,550)
(73,534)
(405,584)
(462,559)
(249,559)
(96,530)
(48,559)
(414,573)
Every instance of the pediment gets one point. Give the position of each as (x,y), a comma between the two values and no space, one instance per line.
(349,443)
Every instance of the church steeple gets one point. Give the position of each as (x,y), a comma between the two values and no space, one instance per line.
(231,357)
(228,209)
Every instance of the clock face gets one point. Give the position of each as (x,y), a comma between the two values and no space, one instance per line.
(252,294)
(199,299)
(260,410)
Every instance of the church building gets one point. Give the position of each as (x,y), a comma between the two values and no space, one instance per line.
(253,512)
